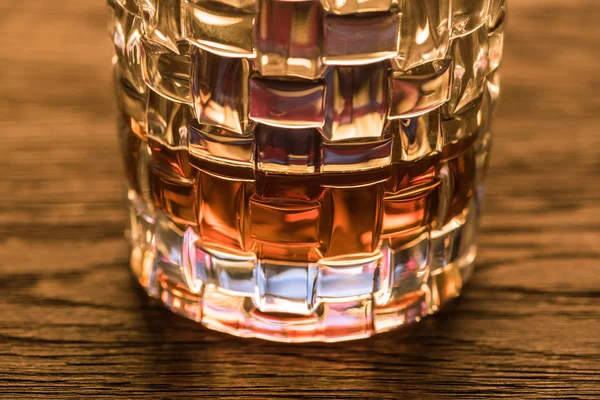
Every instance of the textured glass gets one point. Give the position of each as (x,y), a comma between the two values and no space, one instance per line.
(305,170)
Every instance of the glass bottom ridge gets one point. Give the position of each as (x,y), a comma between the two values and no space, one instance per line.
(328,300)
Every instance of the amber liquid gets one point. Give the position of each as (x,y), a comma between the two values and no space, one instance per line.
(302,218)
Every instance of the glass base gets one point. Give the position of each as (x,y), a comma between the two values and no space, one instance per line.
(294,302)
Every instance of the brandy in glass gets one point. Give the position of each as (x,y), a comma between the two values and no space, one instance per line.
(305,170)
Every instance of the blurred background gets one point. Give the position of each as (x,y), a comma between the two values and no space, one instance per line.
(529,318)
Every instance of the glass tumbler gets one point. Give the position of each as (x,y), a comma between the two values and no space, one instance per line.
(305,170)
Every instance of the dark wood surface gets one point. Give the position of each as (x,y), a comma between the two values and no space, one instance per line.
(74,324)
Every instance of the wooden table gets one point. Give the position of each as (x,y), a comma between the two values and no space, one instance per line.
(74,324)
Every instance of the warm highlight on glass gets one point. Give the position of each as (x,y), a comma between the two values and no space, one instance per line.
(305,170)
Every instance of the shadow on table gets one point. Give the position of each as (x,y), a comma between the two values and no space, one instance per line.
(185,355)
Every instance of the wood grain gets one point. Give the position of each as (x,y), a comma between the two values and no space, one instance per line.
(73,323)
